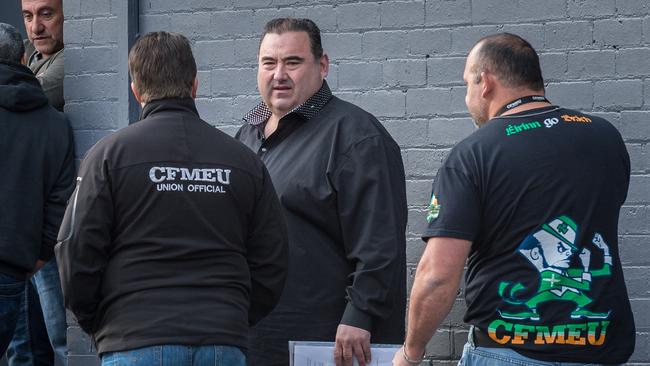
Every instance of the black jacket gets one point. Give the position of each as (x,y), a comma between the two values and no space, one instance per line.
(174,235)
(37,165)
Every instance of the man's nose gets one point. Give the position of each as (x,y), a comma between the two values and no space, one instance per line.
(36,26)
(280,73)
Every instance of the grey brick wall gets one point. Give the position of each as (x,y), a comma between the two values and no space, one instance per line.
(402,61)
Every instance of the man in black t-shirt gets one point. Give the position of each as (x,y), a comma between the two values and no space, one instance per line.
(531,201)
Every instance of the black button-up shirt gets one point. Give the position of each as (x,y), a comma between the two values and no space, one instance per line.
(340,179)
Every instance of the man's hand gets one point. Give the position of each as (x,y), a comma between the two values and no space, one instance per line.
(39,264)
(351,341)
(400,360)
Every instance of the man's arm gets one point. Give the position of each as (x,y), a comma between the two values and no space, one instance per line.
(434,290)
(84,240)
(267,252)
(52,80)
(372,211)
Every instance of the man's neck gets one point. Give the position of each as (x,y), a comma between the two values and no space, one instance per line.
(271,125)
(496,106)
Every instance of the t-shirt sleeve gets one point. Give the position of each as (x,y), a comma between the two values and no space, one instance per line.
(454,210)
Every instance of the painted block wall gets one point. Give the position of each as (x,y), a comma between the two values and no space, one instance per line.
(403,62)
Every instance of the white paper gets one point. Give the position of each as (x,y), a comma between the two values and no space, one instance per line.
(322,354)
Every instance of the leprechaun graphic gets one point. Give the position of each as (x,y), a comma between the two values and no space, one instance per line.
(550,249)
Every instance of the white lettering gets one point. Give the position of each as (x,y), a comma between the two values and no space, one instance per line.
(158,174)
(208,175)
(514,104)
(171,172)
(187,174)
(221,178)
(176,187)
(550,122)
(152,174)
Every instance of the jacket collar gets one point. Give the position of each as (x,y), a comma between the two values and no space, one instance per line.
(169,105)
(310,108)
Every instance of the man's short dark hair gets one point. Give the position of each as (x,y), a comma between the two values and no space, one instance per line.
(282,25)
(11,43)
(511,58)
(161,65)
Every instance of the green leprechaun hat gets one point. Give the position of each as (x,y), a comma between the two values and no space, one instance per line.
(563,228)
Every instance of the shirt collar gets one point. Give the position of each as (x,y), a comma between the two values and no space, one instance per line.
(169,104)
(36,56)
(261,113)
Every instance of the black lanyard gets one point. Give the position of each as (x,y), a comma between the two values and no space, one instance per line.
(520,101)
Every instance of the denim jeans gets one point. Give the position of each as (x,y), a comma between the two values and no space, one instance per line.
(30,345)
(47,284)
(11,293)
(176,355)
(482,356)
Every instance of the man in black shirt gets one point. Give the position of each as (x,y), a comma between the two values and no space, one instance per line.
(174,240)
(531,201)
(340,179)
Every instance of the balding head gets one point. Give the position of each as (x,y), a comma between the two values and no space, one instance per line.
(510,58)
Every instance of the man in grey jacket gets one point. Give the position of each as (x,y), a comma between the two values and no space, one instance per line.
(44,51)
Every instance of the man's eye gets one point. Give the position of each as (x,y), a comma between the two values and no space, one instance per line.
(27,17)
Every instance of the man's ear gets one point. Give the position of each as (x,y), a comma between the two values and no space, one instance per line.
(324,65)
(135,93)
(488,84)
(195,87)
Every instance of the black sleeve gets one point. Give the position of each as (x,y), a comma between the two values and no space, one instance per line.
(371,198)
(267,252)
(454,210)
(57,199)
(84,240)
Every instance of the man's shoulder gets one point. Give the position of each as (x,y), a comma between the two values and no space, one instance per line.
(355,122)
(50,117)
(141,135)
(55,64)
(349,109)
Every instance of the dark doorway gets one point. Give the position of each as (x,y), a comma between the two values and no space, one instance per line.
(10,13)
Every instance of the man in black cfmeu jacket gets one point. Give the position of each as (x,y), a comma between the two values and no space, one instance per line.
(174,241)
(36,161)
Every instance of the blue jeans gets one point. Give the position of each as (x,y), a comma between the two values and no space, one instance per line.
(30,345)
(47,284)
(11,293)
(482,356)
(176,355)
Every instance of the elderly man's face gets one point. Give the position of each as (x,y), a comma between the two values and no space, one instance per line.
(44,24)
(288,74)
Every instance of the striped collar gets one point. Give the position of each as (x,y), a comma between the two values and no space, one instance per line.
(261,113)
